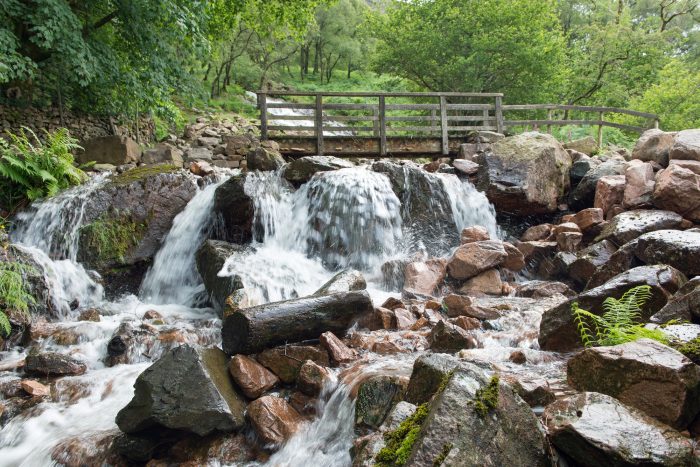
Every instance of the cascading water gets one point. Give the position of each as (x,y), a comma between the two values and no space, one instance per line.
(173,278)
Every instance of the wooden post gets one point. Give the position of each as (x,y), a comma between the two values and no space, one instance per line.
(656,123)
(486,118)
(375,123)
(262,104)
(499,114)
(600,130)
(443,126)
(549,117)
(319,124)
(382,126)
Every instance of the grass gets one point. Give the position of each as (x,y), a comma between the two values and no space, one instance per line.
(112,236)
(139,173)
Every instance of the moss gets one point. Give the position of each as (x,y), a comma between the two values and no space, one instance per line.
(446,448)
(139,173)
(690,349)
(443,383)
(486,398)
(110,237)
(399,442)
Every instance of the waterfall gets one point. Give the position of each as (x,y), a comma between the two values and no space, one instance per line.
(469,206)
(173,278)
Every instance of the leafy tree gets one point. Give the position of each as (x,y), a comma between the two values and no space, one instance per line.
(514,47)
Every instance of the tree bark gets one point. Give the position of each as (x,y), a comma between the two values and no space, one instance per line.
(253,329)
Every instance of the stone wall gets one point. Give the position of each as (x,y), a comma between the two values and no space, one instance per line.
(81,126)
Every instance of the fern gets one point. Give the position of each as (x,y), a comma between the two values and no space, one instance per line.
(620,321)
(5,326)
(14,294)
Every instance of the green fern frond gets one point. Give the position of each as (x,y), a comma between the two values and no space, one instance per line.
(5,326)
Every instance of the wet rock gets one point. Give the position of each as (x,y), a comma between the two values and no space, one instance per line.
(686,146)
(376,397)
(535,391)
(525,174)
(472,234)
(588,219)
(404,318)
(128,343)
(474,258)
(424,277)
(536,233)
(469,424)
(88,449)
(91,314)
(466,167)
(587,145)
(312,377)
(264,159)
(230,449)
(683,306)
(235,208)
(345,281)
(589,259)
(542,289)
(569,241)
(582,164)
(301,170)
(338,351)
(273,419)
(53,364)
(386,347)
(152,315)
(584,194)
(486,283)
(210,259)
(594,429)
(163,153)
(35,388)
(286,361)
(253,378)
(429,371)
(639,187)
(609,192)
(515,261)
(448,338)
(654,146)
(537,252)
(678,189)
(557,328)
(644,374)
(377,318)
(187,389)
(465,322)
(629,225)
(680,249)
(456,305)
(254,328)
(115,150)
(201,168)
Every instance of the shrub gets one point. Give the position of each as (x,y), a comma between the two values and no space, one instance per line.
(620,321)
(31,169)
(14,295)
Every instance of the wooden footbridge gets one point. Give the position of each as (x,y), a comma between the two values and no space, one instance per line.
(411,124)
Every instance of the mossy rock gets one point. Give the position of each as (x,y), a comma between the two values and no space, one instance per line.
(108,241)
(140,173)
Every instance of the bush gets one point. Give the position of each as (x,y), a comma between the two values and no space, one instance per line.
(31,169)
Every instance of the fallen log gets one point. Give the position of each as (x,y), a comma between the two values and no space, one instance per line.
(253,329)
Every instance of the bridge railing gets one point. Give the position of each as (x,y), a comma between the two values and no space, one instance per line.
(379,115)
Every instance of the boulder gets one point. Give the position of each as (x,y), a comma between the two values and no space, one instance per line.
(186,389)
(210,259)
(536,252)
(424,277)
(639,187)
(53,364)
(236,209)
(286,361)
(525,174)
(466,167)
(515,261)
(594,429)
(264,159)
(543,289)
(476,257)
(654,146)
(587,145)
(589,259)
(486,283)
(472,234)
(537,233)
(201,168)
(338,351)
(583,195)
(479,421)
(253,378)
(312,377)
(376,397)
(347,280)
(609,192)
(199,154)
(686,146)
(273,419)
(683,306)
(163,153)
(557,329)
(677,189)
(536,391)
(448,338)
(115,150)
(588,219)
(301,170)
(581,167)
(629,225)
(456,305)
(429,371)
(644,374)
(677,248)
(35,388)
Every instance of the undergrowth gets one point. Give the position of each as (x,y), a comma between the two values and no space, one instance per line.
(620,322)
(14,295)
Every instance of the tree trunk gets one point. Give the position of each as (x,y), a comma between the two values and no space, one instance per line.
(349,68)
(253,329)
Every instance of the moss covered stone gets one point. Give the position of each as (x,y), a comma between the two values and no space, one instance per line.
(139,173)
(486,398)
(109,238)
(690,349)
(399,442)
(446,448)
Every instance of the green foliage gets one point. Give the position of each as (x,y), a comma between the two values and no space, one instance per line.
(14,295)
(619,322)
(690,349)
(486,398)
(33,169)
(399,442)
(139,173)
(111,237)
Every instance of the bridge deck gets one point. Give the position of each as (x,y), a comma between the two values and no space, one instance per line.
(408,124)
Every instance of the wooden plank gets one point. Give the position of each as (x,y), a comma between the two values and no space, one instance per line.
(327,127)
(473,128)
(319,124)
(385,94)
(376,121)
(272,117)
(352,118)
(581,108)
(551,122)
(413,107)
(382,126)
(443,126)
(292,128)
(485,117)
(413,118)
(499,115)
(419,129)
(262,103)
(348,106)
(469,106)
(470,118)
(620,126)
(600,130)
(291,106)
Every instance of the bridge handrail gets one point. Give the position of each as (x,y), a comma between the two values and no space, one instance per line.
(386,94)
